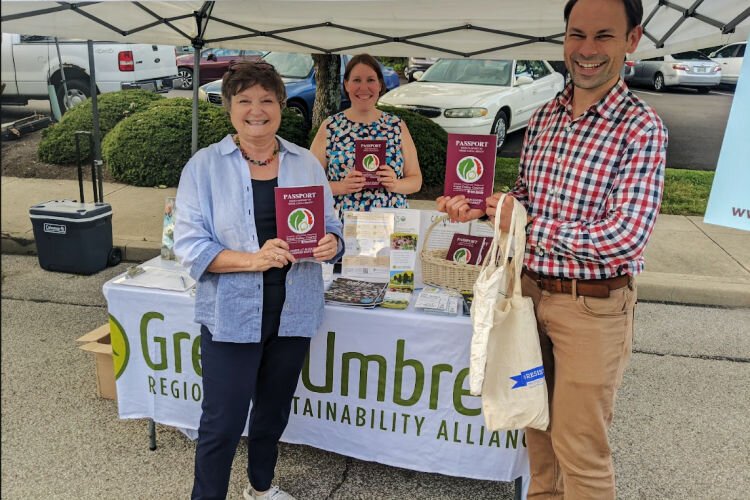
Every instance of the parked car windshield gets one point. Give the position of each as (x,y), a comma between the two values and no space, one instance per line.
(473,71)
(690,55)
(290,65)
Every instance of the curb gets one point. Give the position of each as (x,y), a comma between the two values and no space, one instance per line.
(20,244)
(17,244)
(693,289)
(686,289)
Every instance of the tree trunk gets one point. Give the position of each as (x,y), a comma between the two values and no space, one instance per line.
(328,91)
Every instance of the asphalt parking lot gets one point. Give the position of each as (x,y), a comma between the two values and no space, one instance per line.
(696,123)
(677,433)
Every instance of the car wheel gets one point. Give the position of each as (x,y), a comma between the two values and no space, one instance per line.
(298,108)
(78,92)
(703,90)
(187,78)
(658,82)
(500,129)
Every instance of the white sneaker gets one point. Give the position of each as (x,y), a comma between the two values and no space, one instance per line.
(275,493)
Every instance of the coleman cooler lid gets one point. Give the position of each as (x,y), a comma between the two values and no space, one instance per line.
(70,210)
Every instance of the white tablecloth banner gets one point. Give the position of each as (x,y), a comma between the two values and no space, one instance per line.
(381,385)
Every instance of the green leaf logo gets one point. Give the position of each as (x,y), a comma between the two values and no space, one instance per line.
(470,169)
(120,346)
(301,221)
(371,162)
(462,256)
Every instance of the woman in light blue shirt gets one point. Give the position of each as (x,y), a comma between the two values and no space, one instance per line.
(257,306)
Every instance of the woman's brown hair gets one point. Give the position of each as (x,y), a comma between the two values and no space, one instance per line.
(246,74)
(370,61)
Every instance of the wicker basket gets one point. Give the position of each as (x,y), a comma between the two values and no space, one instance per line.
(438,271)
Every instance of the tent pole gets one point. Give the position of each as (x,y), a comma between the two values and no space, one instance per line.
(197,45)
(201,19)
(54,106)
(97,152)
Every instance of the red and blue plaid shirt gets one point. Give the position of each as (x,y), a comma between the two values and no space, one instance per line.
(592,184)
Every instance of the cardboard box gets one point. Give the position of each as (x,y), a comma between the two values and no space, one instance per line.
(98,342)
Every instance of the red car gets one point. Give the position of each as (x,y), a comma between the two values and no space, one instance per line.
(214,63)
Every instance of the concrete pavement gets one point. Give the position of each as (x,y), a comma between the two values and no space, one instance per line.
(678,433)
(687,261)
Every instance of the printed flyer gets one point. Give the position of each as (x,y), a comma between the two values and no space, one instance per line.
(367,237)
(167,236)
(403,262)
(368,156)
(403,256)
(348,292)
(300,218)
(470,167)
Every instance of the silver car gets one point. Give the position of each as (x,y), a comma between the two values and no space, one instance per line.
(686,69)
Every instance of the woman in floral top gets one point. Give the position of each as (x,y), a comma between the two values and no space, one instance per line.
(334,144)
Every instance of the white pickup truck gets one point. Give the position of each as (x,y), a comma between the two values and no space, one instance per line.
(30,63)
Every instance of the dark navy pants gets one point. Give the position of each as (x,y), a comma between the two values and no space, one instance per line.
(233,375)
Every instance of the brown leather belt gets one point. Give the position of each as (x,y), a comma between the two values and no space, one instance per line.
(587,288)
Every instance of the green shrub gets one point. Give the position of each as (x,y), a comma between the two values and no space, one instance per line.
(150,148)
(506,173)
(431,142)
(293,128)
(58,144)
(396,63)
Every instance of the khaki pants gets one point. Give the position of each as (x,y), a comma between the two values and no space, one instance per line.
(586,344)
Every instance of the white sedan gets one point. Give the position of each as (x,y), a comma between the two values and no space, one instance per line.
(479,96)
(730,57)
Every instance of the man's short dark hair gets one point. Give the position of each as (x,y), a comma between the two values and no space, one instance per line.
(633,11)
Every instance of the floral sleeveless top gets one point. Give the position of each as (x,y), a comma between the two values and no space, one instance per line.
(341,133)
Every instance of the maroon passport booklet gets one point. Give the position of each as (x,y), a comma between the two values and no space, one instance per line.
(368,156)
(470,167)
(300,218)
(466,249)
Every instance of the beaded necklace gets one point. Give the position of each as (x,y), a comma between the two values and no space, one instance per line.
(260,163)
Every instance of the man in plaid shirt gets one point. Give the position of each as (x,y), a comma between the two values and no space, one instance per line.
(591,178)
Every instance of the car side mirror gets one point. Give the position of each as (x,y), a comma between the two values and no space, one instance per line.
(418,75)
(712,54)
(211,57)
(524,80)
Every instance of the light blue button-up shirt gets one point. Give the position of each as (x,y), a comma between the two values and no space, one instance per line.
(214,212)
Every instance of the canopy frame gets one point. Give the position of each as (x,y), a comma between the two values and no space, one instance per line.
(204,17)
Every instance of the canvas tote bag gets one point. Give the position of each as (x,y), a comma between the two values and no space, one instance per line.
(490,284)
(514,391)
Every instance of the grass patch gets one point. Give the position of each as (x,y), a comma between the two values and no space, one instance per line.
(685,191)
(506,172)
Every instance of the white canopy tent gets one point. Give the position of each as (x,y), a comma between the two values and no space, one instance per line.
(449,28)
(467,28)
